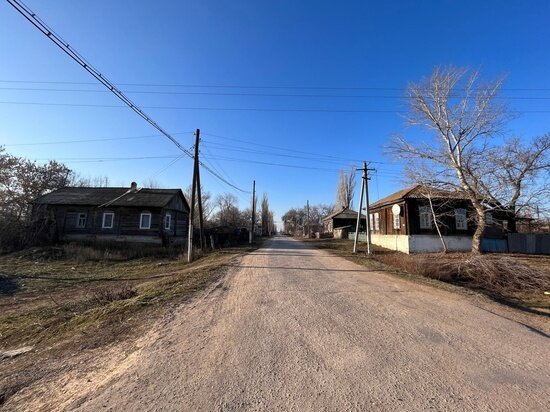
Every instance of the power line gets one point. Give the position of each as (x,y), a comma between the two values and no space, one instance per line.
(54,142)
(234,86)
(362,96)
(73,54)
(241,149)
(286,149)
(235,109)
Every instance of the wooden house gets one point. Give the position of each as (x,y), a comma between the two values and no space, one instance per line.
(343,218)
(404,221)
(158,216)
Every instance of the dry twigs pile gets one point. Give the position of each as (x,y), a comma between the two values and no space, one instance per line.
(502,275)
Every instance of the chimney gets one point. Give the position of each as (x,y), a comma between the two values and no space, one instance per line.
(133,187)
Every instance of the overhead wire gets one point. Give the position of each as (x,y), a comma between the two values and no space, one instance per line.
(234,109)
(73,54)
(362,96)
(54,142)
(234,86)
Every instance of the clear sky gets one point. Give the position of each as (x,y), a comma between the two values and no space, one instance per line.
(180,60)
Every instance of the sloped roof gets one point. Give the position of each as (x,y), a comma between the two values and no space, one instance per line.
(113,196)
(345,213)
(416,192)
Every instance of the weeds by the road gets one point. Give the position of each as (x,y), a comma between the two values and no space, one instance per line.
(65,299)
(49,294)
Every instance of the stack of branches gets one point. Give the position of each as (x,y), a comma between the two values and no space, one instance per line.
(503,275)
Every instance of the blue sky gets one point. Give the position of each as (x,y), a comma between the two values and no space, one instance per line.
(327,49)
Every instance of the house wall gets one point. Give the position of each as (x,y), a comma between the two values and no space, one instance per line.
(432,243)
(392,242)
(422,243)
(125,224)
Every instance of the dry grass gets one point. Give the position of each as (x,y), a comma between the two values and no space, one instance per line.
(51,294)
(502,275)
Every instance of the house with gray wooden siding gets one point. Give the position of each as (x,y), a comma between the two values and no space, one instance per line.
(403,221)
(120,214)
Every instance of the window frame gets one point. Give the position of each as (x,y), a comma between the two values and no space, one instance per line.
(141,226)
(77,224)
(425,223)
(167,221)
(371,221)
(112,214)
(459,223)
(396,220)
(377,221)
(489,220)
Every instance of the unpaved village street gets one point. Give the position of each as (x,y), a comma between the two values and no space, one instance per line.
(294,328)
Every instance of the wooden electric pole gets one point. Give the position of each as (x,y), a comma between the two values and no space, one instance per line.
(253,220)
(308,227)
(192,206)
(199,195)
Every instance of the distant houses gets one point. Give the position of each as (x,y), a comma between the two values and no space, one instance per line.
(133,214)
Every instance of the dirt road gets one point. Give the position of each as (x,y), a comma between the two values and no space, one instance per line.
(293,328)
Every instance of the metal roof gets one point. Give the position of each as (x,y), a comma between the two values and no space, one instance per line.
(110,196)
(345,213)
(416,192)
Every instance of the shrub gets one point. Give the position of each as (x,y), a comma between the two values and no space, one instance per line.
(502,275)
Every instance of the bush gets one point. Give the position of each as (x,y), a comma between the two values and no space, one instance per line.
(107,295)
(502,275)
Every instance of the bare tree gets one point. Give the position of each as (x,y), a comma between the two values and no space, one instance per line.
(228,213)
(464,151)
(345,189)
(266,217)
(207,205)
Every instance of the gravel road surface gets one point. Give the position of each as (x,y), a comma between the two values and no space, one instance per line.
(293,328)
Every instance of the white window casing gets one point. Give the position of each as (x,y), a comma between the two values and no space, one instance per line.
(371,221)
(396,221)
(167,221)
(108,220)
(81,220)
(460,219)
(489,219)
(425,217)
(377,221)
(145,220)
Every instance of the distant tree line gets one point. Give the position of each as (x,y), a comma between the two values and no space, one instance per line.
(297,221)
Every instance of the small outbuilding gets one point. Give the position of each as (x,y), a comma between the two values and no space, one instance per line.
(121,214)
(344,217)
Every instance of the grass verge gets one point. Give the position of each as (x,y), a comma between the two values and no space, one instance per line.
(62,301)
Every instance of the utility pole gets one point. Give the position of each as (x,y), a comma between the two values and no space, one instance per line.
(199,194)
(308,227)
(192,206)
(364,191)
(253,221)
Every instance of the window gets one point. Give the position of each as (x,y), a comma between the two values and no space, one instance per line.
(167,221)
(108,220)
(425,217)
(396,221)
(81,220)
(145,221)
(460,219)
(489,219)
(371,221)
(377,221)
